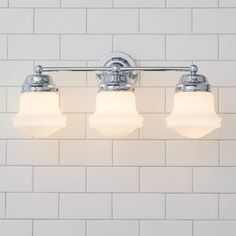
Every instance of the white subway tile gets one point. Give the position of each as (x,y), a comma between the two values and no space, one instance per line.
(15,179)
(33,47)
(85,47)
(2,207)
(2,152)
(165,21)
(227,153)
(139,153)
(192,3)
(16,21)
(59,21)
(227,206)
(16,227)
(75,128)
(214,21)
(34,3)
(32,205)
(167,228)
(85,206)
(139,3)
(32,152)
(59,228)
(155,128)
(13,97)
(161,78)
(3,99)
(78,99)
(112,179)
(192,47)
(227,47)
(216,228)
(86,152)
(191,206)
(13,73)
(170,179)
(59,179)
(150,99)
(213,180)
(3,46)
(138,206)
(87,3)
(3,3)
(227,103)
(227,3)
(192,153)
(112,21)
(219,73)
(66,78)
(141,47)
(114,227)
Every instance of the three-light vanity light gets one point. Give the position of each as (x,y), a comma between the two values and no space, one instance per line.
(193,115)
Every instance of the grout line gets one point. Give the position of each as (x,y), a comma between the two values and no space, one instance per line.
(112,214)
(192,180)
(139,20)
(59,152)
(192,21)
(219,161)
(218,206)
(86,179)
(86,227)
(165,199)
(112,151)
(139,227)
(33,20)
(32,227)
(58,206)
(59,51)
(86,21)
(5,203)
(33,187)
(192,227)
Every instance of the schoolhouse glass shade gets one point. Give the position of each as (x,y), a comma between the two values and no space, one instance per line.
(115,114)
(39,114)
(193,114)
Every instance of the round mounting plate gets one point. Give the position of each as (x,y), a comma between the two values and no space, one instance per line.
(119,59)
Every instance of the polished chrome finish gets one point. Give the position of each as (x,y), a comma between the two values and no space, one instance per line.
(193,82)
(118,71)
(136,68)
(39,82)
(116,79)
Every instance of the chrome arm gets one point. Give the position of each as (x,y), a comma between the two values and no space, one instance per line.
(76,69)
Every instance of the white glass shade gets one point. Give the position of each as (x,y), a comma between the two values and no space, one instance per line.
(116,114)
(39,114)
(193,115)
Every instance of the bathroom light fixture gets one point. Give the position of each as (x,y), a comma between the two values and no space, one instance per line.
(116,115)
(193,115)
(39,113)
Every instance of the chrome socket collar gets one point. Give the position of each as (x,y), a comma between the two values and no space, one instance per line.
(193,82)
(39,82)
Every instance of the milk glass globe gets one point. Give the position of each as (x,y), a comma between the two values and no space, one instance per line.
(193,114)
(39,114)
(116,114)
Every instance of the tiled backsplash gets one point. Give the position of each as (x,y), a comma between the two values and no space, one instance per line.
(153,182)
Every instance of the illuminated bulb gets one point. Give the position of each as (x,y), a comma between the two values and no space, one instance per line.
(193,115)
(116,114)
(39,114)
